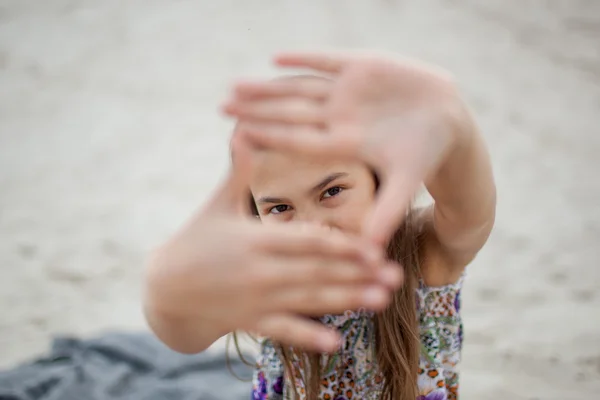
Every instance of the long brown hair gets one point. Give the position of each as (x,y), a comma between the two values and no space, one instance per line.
(396,335)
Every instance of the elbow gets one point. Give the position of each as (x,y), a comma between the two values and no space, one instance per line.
(166,325)
(171,333)
(184,348)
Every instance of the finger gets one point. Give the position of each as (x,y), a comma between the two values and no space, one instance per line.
(247,128)
(324,299)
(318,242)
(290,110)
(391,275)
(309,141)
(391,206)
(299,332)
(232,194)
(301,271)
(315,88)
(324,62)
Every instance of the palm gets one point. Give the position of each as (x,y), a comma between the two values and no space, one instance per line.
(370,103)
(390,114)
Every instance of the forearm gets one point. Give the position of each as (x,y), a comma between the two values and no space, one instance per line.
(169,314)
(464,191)
(182,334)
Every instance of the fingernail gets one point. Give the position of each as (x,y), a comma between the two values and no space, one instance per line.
(375,297)
(328,342)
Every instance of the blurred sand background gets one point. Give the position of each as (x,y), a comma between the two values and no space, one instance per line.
(109,138)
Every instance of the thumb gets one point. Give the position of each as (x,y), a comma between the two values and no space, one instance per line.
(233,194)
(391,206)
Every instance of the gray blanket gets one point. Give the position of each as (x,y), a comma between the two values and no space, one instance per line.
(124,366)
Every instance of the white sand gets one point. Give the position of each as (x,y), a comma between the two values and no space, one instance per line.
(109,138)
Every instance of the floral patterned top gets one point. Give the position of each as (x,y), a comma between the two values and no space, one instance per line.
(352,373)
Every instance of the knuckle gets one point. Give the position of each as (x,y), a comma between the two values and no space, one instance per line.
(350,298)
(310,297)
(313,271)
(252,277)
(341,272)
(321,88)
(343,247)
(284,331)
(260,242)
(323,297)
(263,326)
(287,330)
(333,272)
(315,242)
(261,276)
(340,245)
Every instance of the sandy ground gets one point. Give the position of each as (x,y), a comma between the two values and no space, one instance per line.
(109,138)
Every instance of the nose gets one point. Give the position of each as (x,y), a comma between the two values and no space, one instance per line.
(316,217)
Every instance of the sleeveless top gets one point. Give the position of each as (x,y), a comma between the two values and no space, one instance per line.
(351,373)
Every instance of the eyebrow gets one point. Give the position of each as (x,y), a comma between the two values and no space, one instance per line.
(330,178)
(319,186)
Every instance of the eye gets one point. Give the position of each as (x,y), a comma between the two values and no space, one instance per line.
(278,209)
(333,191)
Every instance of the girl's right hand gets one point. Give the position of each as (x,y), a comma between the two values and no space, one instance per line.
(225,271)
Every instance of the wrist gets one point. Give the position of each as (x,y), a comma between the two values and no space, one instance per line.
(182,328)
(461,129)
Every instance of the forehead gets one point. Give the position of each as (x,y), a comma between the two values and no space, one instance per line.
(274,170)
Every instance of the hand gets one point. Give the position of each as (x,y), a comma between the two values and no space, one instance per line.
(399,117)
(229,271)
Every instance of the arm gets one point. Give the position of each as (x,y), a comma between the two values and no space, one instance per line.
(180,334)
(219,275)
(163,313)
(390,104)
(461,219)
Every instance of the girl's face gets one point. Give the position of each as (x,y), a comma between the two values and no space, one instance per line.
(332,193)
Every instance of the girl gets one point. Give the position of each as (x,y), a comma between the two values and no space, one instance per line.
(408,125)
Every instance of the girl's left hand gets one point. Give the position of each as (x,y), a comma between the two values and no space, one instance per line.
(400,117)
